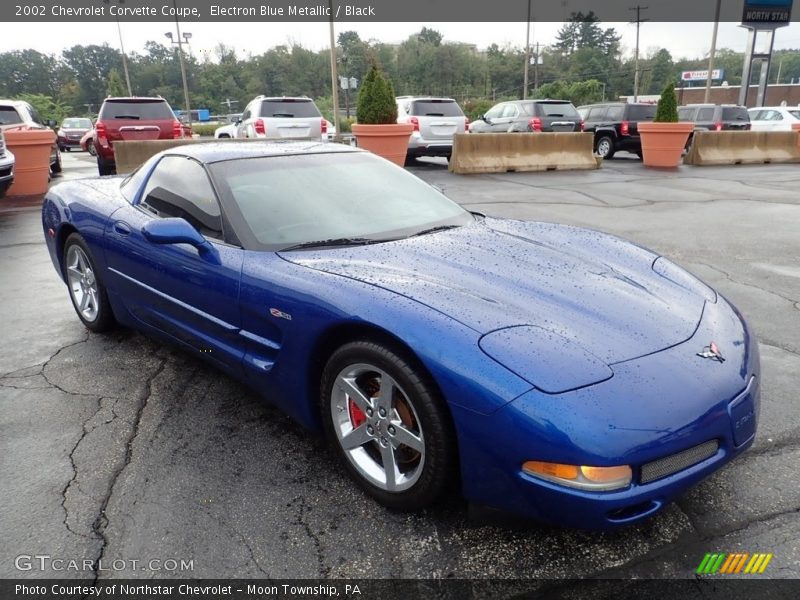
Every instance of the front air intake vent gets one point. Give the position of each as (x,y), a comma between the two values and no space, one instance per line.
(678,462)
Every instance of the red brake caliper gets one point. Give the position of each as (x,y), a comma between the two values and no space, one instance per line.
(357,416)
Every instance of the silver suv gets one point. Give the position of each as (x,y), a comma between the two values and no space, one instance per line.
(435,120)
(6,167)
(16,113)
(282,117)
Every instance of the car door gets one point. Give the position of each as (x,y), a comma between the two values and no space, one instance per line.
(174,288)
(505,122)
(243,129)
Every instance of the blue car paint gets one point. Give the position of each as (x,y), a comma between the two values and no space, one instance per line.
(638,316)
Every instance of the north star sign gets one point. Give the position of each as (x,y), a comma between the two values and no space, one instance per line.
(767,11)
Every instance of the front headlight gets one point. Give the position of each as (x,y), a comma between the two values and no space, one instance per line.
(595,479)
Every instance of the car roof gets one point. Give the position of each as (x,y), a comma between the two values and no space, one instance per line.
(212,152)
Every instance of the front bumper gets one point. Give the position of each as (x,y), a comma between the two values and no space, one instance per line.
(7,167)
(654,407)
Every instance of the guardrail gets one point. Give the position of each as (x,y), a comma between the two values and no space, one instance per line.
(504,152)
(743,148)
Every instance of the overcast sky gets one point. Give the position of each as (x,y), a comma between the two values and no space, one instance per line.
(683,40)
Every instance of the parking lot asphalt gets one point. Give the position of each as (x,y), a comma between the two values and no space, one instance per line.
(117,447)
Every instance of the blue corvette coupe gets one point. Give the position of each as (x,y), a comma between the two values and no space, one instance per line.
(555,372)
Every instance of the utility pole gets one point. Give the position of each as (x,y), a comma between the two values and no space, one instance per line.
(334,77)
(712,53)
(227,102)
(639,21)
(527,51)
(536,69)
(124,58)
(181,42)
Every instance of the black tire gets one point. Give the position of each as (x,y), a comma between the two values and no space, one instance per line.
(640,155)
(66,149)
(56,166)
(104,168)
(91,149)
(104,319)
(4,188)
(604,146)
(411,160)
(439,456)
(224,136)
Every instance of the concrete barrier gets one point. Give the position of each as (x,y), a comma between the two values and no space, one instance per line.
(743,148)
(503,152)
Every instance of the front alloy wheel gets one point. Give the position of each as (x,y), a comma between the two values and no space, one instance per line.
(85,288)
(388,425)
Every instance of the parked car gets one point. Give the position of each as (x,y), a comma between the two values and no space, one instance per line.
(715,117)
(6,166)
(435,120)
(615,125)
(556,372)
(229,130)
(71,132)
(87,142)
(282,117)
(529,116)
(18,113)
(132,118)
(774,118)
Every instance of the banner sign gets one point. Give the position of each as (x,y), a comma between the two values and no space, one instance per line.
(702,75)
(767,12)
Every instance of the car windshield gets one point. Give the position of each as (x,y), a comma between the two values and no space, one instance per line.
(76,124)
(435,108)
(155,110)
(285,201)
(289,108)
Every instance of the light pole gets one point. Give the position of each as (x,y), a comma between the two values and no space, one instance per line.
(334,78)
(712,53)
(639,21)
(180,42)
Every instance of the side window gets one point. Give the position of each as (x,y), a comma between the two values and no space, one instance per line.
(510,110)
(777,116)
(247,112)
(179,187)
(34,115)
(614,113)
(597,113)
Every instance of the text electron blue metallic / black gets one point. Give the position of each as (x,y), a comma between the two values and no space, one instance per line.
(547,342)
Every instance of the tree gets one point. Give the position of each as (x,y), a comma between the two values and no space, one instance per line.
(48,107)
(582,31)
(116,87)
(376,104)
(667,111)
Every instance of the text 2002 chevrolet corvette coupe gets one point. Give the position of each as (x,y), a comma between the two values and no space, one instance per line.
(555,372)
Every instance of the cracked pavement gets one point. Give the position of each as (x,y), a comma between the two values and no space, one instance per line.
(119,447)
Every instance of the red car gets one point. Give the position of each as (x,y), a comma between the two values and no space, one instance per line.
(132,118)
(87,142)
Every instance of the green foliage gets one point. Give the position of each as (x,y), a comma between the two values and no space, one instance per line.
(376,103)
(203,129)
(47,107)
(579,92)
(667,111)
(116,87)
(474,109)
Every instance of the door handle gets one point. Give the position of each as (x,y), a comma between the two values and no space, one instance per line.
(122,228)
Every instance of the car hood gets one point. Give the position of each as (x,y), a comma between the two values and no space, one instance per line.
(587,288)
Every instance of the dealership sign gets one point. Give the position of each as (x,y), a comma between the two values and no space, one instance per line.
(765,12)
(701,75)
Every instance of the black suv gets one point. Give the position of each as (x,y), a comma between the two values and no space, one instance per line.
(716,117)
(530,116)
(615,125)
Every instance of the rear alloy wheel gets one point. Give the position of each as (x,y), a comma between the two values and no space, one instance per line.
(86,291)
(604,147)
(388,426)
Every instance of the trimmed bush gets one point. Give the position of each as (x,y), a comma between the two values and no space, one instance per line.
(667,111)
(376,103)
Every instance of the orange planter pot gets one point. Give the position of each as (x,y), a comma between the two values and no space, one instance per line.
(663,143)
(31,147)
(387,141)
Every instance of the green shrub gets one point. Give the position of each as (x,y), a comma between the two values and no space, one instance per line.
(202,129)
(376,103)
(667,111)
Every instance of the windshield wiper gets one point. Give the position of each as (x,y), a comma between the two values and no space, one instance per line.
(345,241)
(435,229)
